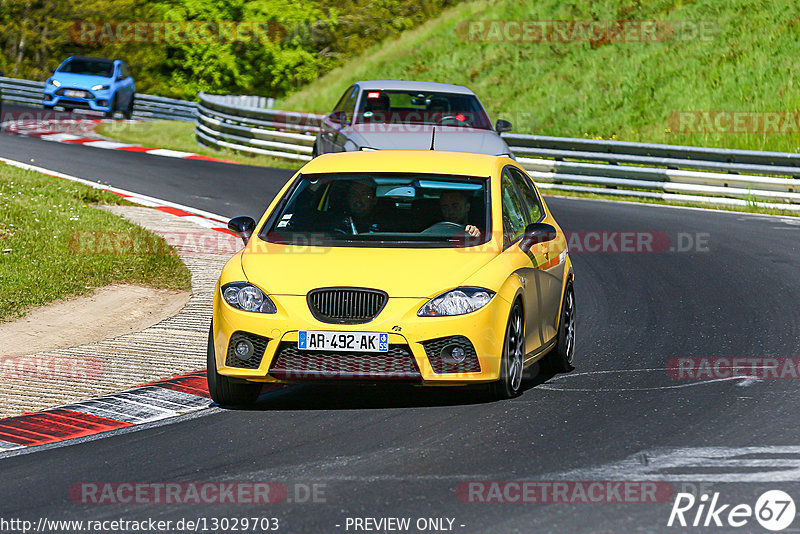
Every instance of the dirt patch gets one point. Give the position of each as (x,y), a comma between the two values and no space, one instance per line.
(109,312)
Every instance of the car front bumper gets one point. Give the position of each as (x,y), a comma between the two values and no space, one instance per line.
(98,101)
(415,344)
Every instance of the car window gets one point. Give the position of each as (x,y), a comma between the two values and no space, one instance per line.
(350,105)
(514,219)
(386,209)
(88,66)
(123,70)
(533,207)
(414,107)
(340,104)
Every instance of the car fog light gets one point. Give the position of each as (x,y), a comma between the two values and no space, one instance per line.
(102,102)
(453,354)
(244,349)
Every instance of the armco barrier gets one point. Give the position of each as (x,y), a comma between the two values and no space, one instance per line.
(673,172)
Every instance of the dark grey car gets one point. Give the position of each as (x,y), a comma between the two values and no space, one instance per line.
(401,115)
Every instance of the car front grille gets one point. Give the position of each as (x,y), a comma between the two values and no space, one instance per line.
(346,305)
(290,363)
(439,353)
(254,360)
(83,94)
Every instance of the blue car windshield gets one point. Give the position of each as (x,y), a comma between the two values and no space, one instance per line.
(88,67)
(397,209)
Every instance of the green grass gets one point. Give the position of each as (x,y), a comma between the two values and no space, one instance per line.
(56,244)
(179,135)
(620,90)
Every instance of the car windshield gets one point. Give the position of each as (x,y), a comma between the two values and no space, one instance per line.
(414,107)
(386,209)
(89,67)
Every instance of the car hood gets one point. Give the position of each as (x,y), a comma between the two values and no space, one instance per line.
(81,81)
(418,137)
(401,272)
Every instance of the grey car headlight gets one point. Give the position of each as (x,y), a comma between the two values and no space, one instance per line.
(457,301)
(56,83)
(99,87)
(247,297)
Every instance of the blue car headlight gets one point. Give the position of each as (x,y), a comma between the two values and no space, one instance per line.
(54,83)
(457,301)
(100,88)
(247,297)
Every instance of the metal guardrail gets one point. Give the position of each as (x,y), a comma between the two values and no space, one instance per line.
(709,175)
(698,174)
(145,106)
(223,123)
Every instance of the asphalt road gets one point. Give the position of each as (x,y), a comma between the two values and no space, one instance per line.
(402,452)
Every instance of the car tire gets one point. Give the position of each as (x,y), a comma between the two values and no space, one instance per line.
(128,113)
(110,112)
(560,358)
(225,391)
(512,363)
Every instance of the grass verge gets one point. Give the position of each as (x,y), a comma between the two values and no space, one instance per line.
(179,135)
(52,240)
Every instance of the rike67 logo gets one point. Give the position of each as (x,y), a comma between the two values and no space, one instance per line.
(774,510)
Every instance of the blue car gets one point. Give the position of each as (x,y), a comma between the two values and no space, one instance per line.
(91,83)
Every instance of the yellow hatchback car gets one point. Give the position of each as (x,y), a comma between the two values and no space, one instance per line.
(430,267)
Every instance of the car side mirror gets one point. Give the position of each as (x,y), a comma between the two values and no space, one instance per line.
(502,126)
(243,227)
(339,117)
(536,233)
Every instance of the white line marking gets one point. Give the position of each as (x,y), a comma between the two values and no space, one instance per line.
(133,197)
(58,137)
(169,153)
(106,144)
(701,464)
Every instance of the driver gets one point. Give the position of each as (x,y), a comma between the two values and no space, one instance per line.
(361,203)
(455,208)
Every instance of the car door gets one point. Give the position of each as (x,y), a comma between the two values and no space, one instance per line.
(549,271)
(514,222)
(330,139)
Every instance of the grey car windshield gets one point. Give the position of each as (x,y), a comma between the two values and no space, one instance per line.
(88,67)
(391,209)
(414,107)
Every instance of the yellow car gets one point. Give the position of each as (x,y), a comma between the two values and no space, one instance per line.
(431,267)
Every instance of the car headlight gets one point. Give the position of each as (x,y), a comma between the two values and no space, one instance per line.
(247,297)
(99,88)
(55,83)
(456,302)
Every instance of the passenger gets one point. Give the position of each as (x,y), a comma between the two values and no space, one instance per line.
(455,208)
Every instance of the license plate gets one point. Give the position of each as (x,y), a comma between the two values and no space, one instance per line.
(343,341)
(74,94)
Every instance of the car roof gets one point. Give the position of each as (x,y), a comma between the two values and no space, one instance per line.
(412,161)
(403,85)
(97,59)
